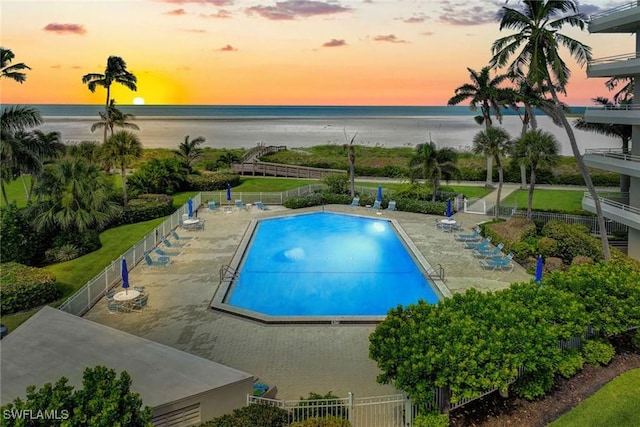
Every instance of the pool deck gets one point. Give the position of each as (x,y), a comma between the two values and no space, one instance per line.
(298,359)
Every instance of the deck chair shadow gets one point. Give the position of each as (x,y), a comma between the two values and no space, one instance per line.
(168,244)
(498,263)
(477,245)
(163,260)
(355,202)
(165,253)
(473,237)
(178,237)
(392,206)
(488,252)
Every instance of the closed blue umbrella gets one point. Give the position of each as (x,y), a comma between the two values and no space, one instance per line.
(379,198)
(448,208)
(539,266)
(190,207)
(124,272)
(228,192)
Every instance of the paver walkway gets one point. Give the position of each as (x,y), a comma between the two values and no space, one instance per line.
(298,359)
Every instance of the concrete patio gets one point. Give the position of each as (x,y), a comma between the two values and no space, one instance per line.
(298,359)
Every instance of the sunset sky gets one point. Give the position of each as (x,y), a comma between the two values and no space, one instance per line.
(266,52)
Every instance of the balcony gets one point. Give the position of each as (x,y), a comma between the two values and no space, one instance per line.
(614,210)
(624,65)
(622,19)
(613,161)
(619,114)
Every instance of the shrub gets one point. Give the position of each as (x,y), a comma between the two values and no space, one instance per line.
(547,247)
(581,260)
(533,384)
(598,352)
(553,264)
(254,415)
(298,202)
(212,181)
(570,363)
(323,422)
(635,340)
(433,419)
(573,240)
(65,252)
(165,176)
(420,206)
(19,240)
(25,287)
(146,207)
(315,406)
(338,183)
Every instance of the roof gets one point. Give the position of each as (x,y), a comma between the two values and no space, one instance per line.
(53,344)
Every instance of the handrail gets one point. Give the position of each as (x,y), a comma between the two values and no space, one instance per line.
(607,12)
(623,107)
(614,58)
(614,153)
(224,273)
(615,204)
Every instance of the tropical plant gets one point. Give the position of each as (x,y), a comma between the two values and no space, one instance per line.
(18,148)
(158,176)
(49,147)
(351,156)
(13,72)
(115,118)
(625,94)
(87,150)
(115,72)
(538,37)
(494,142)
(615,130)
(484,91)
(536,150)
(103,399)
(227,159)
(433,164)
(76,196)
(123,147)
(189,151)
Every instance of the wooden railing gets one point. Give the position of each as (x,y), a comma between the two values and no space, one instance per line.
(276,169)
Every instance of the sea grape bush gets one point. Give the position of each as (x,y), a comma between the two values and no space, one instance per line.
(474,342)
(25,287)
(598,352)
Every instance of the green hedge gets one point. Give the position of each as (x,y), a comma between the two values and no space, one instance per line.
(146,207)
(212,181)
(254,415)
(322,422)
(25,287)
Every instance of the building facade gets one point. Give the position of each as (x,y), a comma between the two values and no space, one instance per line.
(623,208)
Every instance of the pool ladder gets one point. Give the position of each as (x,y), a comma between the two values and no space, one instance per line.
(228,273)
(439,274)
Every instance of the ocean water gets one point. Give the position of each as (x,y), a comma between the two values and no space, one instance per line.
(165,126)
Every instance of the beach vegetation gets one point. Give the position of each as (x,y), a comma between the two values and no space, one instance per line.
(337,183)
(433,165)
(212,181)
(12,72)
(116,118)
(114,72)
(19,240)
(86,150)
(25,287)
(189,151)
(533,51)
(494,142)
(122,147)
(351,156)
(536,150)
(253,415)
(103,398)
(159,176)
(146,207)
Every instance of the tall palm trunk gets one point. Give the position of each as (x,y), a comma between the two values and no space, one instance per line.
(123,173)
(106,114)
(500,179)
(583,170)
(487,124)
(532,187)
(4,194)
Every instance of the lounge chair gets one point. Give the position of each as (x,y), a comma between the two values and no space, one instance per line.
(488,252)
(140,303)
(261,206)
(177,237)
(355,202)
(212,206)
(474,237)
(115,307)
(240,205)
(165,253)
(139,289)
(109,295)
(163,260)
(477,245)
(376,205)
(392,206)
(495,263)
(168,244)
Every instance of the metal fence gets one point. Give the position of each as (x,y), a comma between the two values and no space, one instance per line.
(589,221)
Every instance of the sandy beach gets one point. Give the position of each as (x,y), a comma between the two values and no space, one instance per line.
(447,131)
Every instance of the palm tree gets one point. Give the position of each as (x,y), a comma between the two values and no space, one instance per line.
(116,118)
(189,151)
(87,150)
(49,147)
(483,91)
(538,37)
(18,150)
(115,72)
(536,149)
(351,156)
(611,129)
(494,142)
(434,165)
(77,196)
(13,72)
(123,147)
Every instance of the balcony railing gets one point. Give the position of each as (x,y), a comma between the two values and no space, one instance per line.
(614,58)
(614,153)
(615,204)
(624,107)
(607,12)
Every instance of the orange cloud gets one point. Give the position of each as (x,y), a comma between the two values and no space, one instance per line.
(293,9)
(334,43)
(202,2)
(227,48)
(221,14)
(390,38)
(65,28)
(176,12)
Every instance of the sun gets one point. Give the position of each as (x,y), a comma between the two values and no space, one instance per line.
(138,101)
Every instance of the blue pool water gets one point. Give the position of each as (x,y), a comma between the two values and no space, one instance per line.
(325,264)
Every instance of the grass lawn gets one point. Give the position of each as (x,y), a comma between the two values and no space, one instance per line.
(559,200)
(15,192)
(615,404)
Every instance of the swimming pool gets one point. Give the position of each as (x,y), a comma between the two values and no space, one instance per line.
(326,264)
